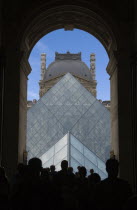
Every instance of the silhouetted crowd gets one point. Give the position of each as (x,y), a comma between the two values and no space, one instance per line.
(34,187)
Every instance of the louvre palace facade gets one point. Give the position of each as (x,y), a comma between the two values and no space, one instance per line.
(64,63)
(68,122)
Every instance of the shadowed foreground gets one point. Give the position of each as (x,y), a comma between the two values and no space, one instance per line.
(34,187)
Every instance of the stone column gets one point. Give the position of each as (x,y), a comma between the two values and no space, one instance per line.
(43,70)
(93,73)
(93,66)
(121,113)
(14,109)
(2,78)
(112,71)
(134,114)
(25,70)
(2,70)
(11,98)
(43,65)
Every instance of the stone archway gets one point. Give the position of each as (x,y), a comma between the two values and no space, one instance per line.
(67,17)
(93,18)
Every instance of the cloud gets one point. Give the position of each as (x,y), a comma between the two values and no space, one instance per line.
(43,48)
(34,61)
(32,95)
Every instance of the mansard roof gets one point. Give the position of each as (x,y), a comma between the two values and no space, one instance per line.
(65,63)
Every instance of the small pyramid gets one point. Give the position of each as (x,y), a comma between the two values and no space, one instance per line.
(71,149)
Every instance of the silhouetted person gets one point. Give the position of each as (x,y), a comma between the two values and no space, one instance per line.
(91,171)
(78,168)
(62,175)
(47,169)
(52,169)
(19,175)
(4,185)
(94,179)
(52,172)
(45,175)
(16,184)
(71,177)
(64,165)
(35,167)
(64,187)
(70,171)
(31,190)
(82,189)
(4,189)
(77,173)
(48,190)
(112,192)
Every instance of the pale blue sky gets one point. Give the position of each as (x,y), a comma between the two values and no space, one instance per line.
(73,41)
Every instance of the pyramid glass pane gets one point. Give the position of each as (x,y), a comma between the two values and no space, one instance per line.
(60,155)
(90,156)
(85,157)
(74,164)
(48,163)
(77,155)
(89,165)
(56,153)
(68,106)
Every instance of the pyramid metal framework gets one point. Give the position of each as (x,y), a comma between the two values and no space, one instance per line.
(68,106)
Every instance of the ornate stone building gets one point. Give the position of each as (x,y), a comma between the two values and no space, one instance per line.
(31,103)
(63,64)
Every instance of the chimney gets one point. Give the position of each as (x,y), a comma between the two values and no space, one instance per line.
(43,65)
(93,66)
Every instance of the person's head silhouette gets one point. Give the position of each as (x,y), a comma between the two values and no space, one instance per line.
(35,166)
(21,168)
(52,168)
(94,178)
(64,165)
(82,171)
(91,171)
(112,166)
(70,170)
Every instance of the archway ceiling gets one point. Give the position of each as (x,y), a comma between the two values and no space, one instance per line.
(61,16)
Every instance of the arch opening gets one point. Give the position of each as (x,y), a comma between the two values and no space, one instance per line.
(67,17)
(79,65)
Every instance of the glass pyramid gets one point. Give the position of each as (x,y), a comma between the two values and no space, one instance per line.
(68,106)
(71,149)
